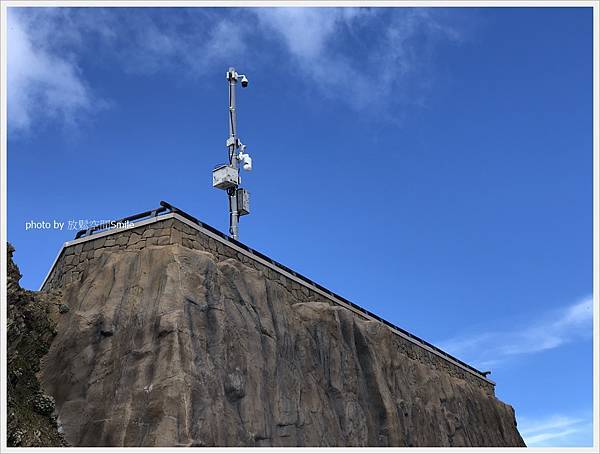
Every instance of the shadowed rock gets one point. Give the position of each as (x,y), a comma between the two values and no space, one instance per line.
(30,419)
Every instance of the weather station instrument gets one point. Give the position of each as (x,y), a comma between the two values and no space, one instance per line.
(227,176)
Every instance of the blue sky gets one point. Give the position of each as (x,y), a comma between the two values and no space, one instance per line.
(431,165)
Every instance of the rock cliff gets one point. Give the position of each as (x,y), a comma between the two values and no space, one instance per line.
(172,339)
(30,330)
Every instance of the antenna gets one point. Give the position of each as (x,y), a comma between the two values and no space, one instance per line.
(226,176)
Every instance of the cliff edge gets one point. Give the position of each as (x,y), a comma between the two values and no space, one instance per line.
(30,413)
(172,338)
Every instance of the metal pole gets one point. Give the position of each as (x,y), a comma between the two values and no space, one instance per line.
(233,213)
(232,192)
(232,118)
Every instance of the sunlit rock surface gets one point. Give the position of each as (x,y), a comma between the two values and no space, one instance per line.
(172,345)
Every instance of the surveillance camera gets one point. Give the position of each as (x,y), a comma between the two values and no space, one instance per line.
(247,160)
(244,81)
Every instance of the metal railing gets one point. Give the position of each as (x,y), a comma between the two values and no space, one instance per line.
(164,208)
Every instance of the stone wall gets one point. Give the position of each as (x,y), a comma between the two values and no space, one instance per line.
(73,264)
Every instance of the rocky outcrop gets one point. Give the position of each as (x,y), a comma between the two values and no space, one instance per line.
(173,343)
(30,330)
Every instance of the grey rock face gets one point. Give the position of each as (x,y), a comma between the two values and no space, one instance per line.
(29,332)
(173,346)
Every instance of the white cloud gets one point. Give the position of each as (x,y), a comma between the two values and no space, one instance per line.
(305,31)
(555,430)
(387,70)
(324,47)
(41,83)
(550,331)
(46,46)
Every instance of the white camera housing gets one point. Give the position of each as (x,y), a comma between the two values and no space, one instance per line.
(246,160)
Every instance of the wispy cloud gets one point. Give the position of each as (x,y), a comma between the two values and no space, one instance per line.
(46,48)
(181,42)
(41,83)
(556,431)
(549,331)
(323,48)
(389,69)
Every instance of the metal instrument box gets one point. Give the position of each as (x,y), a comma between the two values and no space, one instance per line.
(243,202)
(225,177)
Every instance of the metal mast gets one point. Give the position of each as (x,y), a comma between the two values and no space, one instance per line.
(226,176)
